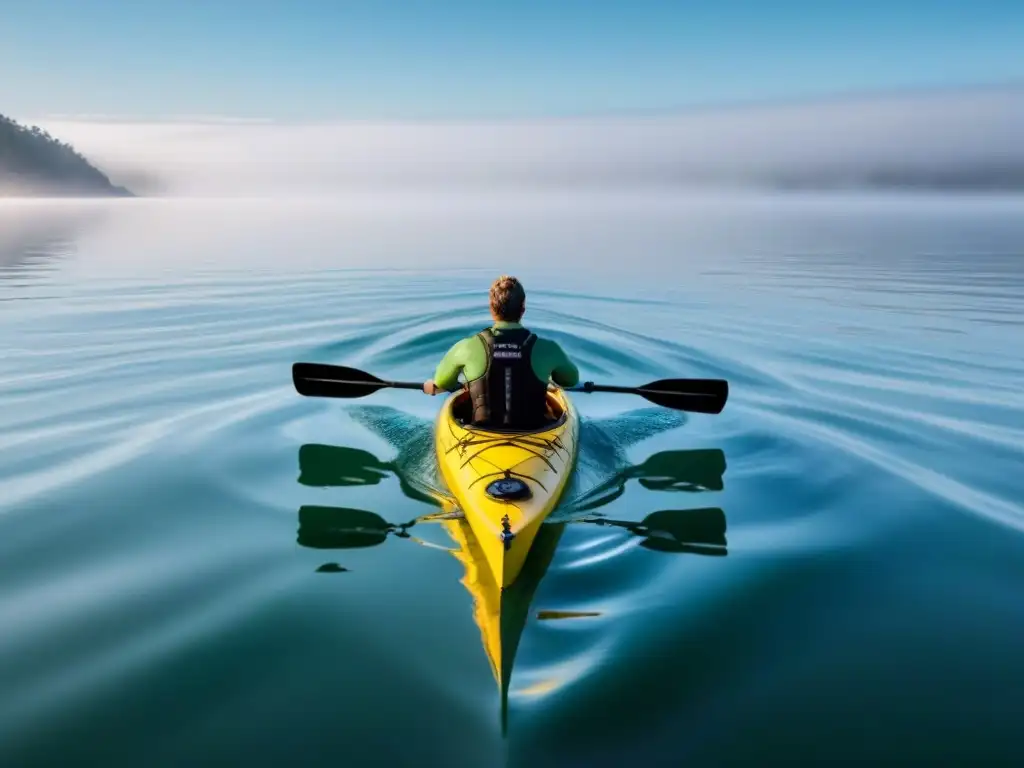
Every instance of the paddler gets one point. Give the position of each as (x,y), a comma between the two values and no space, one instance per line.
(506,366)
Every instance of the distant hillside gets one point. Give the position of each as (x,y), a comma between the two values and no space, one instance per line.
(33,163)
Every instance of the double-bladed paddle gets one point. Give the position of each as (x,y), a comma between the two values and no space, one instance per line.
(322,380)
(695,531)
(695,395)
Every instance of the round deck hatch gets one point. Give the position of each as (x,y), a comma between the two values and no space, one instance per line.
(508,489)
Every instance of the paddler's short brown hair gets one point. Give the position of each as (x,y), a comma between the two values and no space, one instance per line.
(508,299)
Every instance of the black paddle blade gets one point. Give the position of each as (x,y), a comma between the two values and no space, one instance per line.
(328,465)
(340,528)
(694,395)
(336,466)
(679,531)
(682,527)
(690,470)
(321,380)
(687,471)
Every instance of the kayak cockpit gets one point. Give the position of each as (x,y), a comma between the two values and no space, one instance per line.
(462,413)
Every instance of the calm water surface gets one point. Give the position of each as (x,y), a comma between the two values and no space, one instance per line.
(829,571)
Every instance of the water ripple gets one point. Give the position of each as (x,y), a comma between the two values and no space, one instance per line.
(150,493)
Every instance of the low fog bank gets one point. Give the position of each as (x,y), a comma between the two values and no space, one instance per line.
(968,140)
(38,232)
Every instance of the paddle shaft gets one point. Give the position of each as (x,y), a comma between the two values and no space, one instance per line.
(590,386)
(372,384)
(698,395)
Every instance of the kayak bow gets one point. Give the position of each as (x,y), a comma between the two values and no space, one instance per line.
(506,483)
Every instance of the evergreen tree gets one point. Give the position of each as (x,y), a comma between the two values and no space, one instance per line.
(34,162)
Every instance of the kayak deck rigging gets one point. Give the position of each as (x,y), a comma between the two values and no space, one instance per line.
(475,462)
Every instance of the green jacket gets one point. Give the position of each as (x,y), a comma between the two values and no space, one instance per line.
(469,357)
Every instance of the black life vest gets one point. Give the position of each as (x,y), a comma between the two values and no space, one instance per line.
(509,395)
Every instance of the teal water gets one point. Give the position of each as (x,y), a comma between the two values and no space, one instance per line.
(838,573)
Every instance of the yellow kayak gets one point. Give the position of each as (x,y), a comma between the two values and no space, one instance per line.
(506,483)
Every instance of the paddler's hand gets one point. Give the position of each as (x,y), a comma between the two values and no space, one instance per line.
(430,388)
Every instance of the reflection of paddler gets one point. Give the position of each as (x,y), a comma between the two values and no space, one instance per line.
(501,615)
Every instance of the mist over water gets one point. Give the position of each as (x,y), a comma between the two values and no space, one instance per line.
(950,140)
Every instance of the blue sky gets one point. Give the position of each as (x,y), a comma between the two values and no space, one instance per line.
(314,59)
